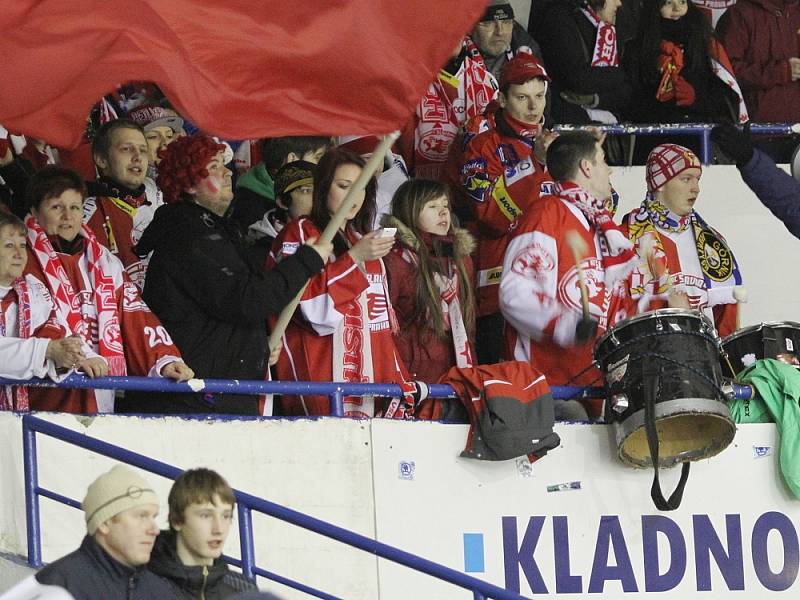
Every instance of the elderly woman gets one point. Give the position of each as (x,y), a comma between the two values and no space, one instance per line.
(92,294)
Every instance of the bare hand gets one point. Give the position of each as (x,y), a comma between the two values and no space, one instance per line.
(7,158)
(542,143)
(178,370)
(275,354)
(371,247)
(66,352)
(93,367)
(598,134)
(678,299)
(794,63)
(324,250)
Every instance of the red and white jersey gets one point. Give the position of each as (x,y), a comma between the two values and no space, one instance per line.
(118,226)
(147,345)
(540,295)
(327,340)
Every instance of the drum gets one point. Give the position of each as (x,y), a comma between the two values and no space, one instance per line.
(672,356)
(777,339)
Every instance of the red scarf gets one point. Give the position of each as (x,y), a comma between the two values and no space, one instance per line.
(20,296)
(605,44)
(102,282)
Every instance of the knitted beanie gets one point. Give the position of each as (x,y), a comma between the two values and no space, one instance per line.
(667,161)
(113,492)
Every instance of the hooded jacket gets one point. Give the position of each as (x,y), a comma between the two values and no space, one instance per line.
(760,37)
(426,356)
(209,583)
(214,301)
(90,573)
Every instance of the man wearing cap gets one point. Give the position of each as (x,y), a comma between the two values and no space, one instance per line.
(120,508)
(161,126)
(681,253)
(121,203)
(493,161)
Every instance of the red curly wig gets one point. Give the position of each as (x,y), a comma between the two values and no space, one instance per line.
(183,164)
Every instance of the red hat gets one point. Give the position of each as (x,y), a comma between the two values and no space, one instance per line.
(520,69)
(150,116)
(667,161)
(360,144)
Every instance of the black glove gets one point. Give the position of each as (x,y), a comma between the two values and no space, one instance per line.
(585,330)
(735,143)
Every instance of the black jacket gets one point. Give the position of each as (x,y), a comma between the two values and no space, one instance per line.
(210,583)
(214,302)
(90,573)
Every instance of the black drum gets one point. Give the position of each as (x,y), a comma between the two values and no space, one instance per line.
(672,356)
(777,339)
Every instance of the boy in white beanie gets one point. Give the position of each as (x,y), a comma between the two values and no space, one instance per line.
(120,509)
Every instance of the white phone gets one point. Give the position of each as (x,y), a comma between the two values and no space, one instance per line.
(387,232)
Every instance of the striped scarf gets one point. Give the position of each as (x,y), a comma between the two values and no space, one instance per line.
(20,294)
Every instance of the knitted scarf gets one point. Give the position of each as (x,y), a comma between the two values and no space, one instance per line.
(20,295)
(717,262)
(109,334)
(616,249)
(605,44)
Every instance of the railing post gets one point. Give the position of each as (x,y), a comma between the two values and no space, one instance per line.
(32,518)
(705,148)
(246,541)
(337,403)
(478,596)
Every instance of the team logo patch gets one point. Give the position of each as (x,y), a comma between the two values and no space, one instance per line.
(715,258)
(533,262)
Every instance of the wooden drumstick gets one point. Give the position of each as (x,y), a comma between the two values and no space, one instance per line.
(740,294)
(578,248)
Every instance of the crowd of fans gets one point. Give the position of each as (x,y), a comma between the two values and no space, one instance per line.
(484,236)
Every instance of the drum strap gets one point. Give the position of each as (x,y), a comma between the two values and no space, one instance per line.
(650,398)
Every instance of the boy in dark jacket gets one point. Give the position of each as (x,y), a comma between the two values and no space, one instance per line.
(189,553)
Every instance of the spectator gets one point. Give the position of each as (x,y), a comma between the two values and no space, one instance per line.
(761,37)
(682,254)
(122,201)
(346,321)
(540,292)
(189,553)
(583,49)
(93,295)
(210,297)
(430,282)
(120,509)
(19,158)
(777,190)
(160,126)
(255,190)
(517,143)
(32,342)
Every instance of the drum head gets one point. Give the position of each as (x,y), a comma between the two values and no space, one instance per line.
(688,429)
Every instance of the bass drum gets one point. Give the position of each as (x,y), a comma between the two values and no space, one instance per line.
(776,339)
(669,357)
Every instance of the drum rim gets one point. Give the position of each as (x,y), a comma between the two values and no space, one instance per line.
(650,314)
(754,328)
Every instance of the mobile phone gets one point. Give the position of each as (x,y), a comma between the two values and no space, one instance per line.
(387,232)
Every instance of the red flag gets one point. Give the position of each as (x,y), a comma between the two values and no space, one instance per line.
(236,69)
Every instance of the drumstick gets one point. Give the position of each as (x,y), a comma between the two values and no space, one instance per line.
(578,247)
(740,294)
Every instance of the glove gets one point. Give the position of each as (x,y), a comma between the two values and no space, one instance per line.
(584,100)
(585,331)
(735,143)
(684,92)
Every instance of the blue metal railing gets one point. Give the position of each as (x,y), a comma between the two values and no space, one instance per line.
(702,130)
(246,504)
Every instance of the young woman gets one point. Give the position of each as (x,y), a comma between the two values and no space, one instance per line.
(32,337)
(92,293)
(343,331)
(430,281)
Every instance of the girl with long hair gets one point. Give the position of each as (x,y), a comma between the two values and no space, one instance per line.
(343,331)
(430,281)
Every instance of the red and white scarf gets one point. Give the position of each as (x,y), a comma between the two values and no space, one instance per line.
(102,282)
(453,318)
(20,295)
(617,254)
(605,44)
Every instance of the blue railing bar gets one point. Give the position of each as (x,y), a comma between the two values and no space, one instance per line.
(294,584)
(705,148)
(31,497)
(58,497)
(35,424)
(246,541)
(682,128)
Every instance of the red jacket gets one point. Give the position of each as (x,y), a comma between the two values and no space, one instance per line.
(760,37)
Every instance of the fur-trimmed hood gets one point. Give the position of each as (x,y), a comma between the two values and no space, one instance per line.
(463,242)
